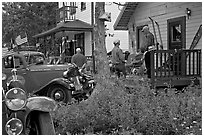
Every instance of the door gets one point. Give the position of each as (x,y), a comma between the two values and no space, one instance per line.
(176,33)
(80,42)
(176,38)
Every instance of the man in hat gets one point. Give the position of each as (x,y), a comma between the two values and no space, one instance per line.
(118,59)
(148,45)
(79,59)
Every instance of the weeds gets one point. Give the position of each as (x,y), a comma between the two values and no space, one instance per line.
(114,110)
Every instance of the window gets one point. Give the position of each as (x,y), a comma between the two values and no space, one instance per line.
(72,8)
(176,33)
(83,6)
(9,62)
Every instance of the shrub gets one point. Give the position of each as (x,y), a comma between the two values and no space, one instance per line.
(113,109)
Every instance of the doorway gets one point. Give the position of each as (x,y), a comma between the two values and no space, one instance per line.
(176,38)
(139,37)
(176,33)
(80,42)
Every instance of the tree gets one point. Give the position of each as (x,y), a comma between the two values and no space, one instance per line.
(100,48)
(29,17)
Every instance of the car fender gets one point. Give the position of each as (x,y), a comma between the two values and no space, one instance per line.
(60,81)
(42,103)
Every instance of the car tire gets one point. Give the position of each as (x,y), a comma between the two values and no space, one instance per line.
(65,94)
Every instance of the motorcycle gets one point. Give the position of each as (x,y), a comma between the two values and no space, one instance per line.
(24,114)
(80,83)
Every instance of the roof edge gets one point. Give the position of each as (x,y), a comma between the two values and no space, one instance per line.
(119,17)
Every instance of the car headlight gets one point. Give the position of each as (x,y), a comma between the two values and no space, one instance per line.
(14,126)
(3,76)
(65,74)
(15,99)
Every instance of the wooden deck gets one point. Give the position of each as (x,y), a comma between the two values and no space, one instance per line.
(175,67)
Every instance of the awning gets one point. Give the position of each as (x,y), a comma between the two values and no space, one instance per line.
(76,25)
(123,18)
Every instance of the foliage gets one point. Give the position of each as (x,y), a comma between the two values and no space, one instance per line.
(29,17)
(118,110)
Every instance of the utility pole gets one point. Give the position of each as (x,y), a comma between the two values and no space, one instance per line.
(100,47)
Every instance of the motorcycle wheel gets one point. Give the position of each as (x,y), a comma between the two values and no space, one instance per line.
(64,94)
(41,124)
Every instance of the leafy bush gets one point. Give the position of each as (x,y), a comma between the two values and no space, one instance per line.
(114,109)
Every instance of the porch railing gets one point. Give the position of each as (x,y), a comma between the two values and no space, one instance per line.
(175,64)
(66,13)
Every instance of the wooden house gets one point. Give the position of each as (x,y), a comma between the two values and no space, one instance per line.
(76,30)
(180,29)
(75,21)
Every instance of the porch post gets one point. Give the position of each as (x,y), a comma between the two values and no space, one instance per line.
(53,42)
(62,55)
(152,69)
(92,35)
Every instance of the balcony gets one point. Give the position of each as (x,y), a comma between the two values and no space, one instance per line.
(66,13)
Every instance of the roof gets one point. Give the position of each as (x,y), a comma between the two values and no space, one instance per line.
(123,18)
(76,25)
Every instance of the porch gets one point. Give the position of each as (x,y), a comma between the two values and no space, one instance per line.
(172,68)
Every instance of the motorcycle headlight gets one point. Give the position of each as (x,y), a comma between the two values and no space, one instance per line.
(14,126)
(15,99)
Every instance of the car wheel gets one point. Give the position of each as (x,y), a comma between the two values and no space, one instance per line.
(40,123)
(59,93)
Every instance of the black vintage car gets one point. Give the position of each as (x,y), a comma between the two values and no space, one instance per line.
(41,78)
(23,114)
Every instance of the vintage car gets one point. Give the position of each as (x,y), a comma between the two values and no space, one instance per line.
(23,114)
(37,76)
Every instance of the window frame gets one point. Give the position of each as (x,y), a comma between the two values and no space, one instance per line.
(83,6)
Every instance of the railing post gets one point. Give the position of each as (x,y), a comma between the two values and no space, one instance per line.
(152,66)
(200,61)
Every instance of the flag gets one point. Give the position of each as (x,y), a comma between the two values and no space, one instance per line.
(20,39)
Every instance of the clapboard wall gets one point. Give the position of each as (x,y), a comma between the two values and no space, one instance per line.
(161,12)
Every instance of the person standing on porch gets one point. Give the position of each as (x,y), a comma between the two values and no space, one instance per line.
(118,59)
(148,45)
(78,58)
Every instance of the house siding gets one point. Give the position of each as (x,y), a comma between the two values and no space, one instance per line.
(88,45)
(121,35)
(84,15)
(161,12)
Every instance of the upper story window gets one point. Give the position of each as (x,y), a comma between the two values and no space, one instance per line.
(72,8)
(83,6)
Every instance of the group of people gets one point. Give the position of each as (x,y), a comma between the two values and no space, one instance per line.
(118,58)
